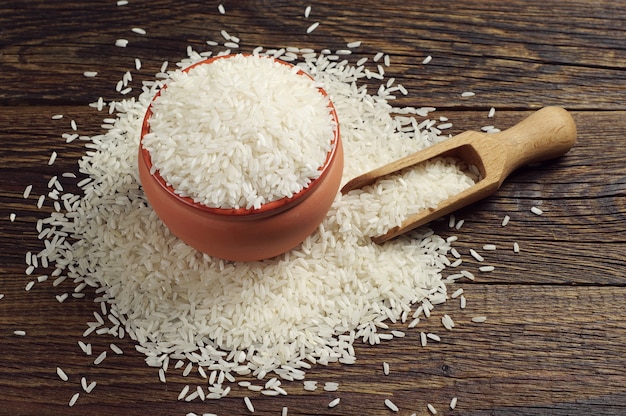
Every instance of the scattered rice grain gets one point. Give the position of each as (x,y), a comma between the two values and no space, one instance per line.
(312,27)
(183,392)
(62,374)
(476,256)
(391,405)
(248,403)
(505,220)
(453,403)
(334,402)
(100,358)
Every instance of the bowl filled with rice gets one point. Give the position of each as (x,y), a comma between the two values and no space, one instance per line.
(240,156)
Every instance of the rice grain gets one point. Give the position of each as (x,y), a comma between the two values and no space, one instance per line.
(453,403)
(100,358)
(312,27)
(248,403)
(391,405)
(62,374)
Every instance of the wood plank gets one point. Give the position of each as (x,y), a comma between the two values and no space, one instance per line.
(496,49)
(543,349)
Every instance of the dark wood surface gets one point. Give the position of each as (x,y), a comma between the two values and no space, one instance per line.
(555,338)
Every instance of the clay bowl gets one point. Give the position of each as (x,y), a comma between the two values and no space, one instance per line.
(244,234)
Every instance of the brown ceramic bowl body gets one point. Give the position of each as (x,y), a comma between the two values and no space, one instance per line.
(245,234)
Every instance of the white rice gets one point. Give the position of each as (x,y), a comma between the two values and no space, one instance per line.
(331,386)
(476,256)
(100,358)
(307,11)
(337,286)
(53,158)
(505,220)
(90,74)
(266,142)
(334,402)
(248,403)
(431,409)
(536,210)
(62,374)
(391,405)
(457,293)
(312,27)
(221,9)
(453,403)
(138,31)
(183,392)
(468,94)
(121,43)
(310,385)
(447,322)
(434,337)
(74,399)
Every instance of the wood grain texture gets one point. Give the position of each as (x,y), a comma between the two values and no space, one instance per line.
(554,341)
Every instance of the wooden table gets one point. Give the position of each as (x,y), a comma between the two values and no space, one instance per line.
(555,337)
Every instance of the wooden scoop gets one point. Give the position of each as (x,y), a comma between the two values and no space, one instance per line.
(546,134)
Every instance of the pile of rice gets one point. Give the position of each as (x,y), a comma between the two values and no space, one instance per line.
(279,316)
(239,132)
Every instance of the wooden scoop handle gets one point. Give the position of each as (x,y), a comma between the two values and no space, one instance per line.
(544,135)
